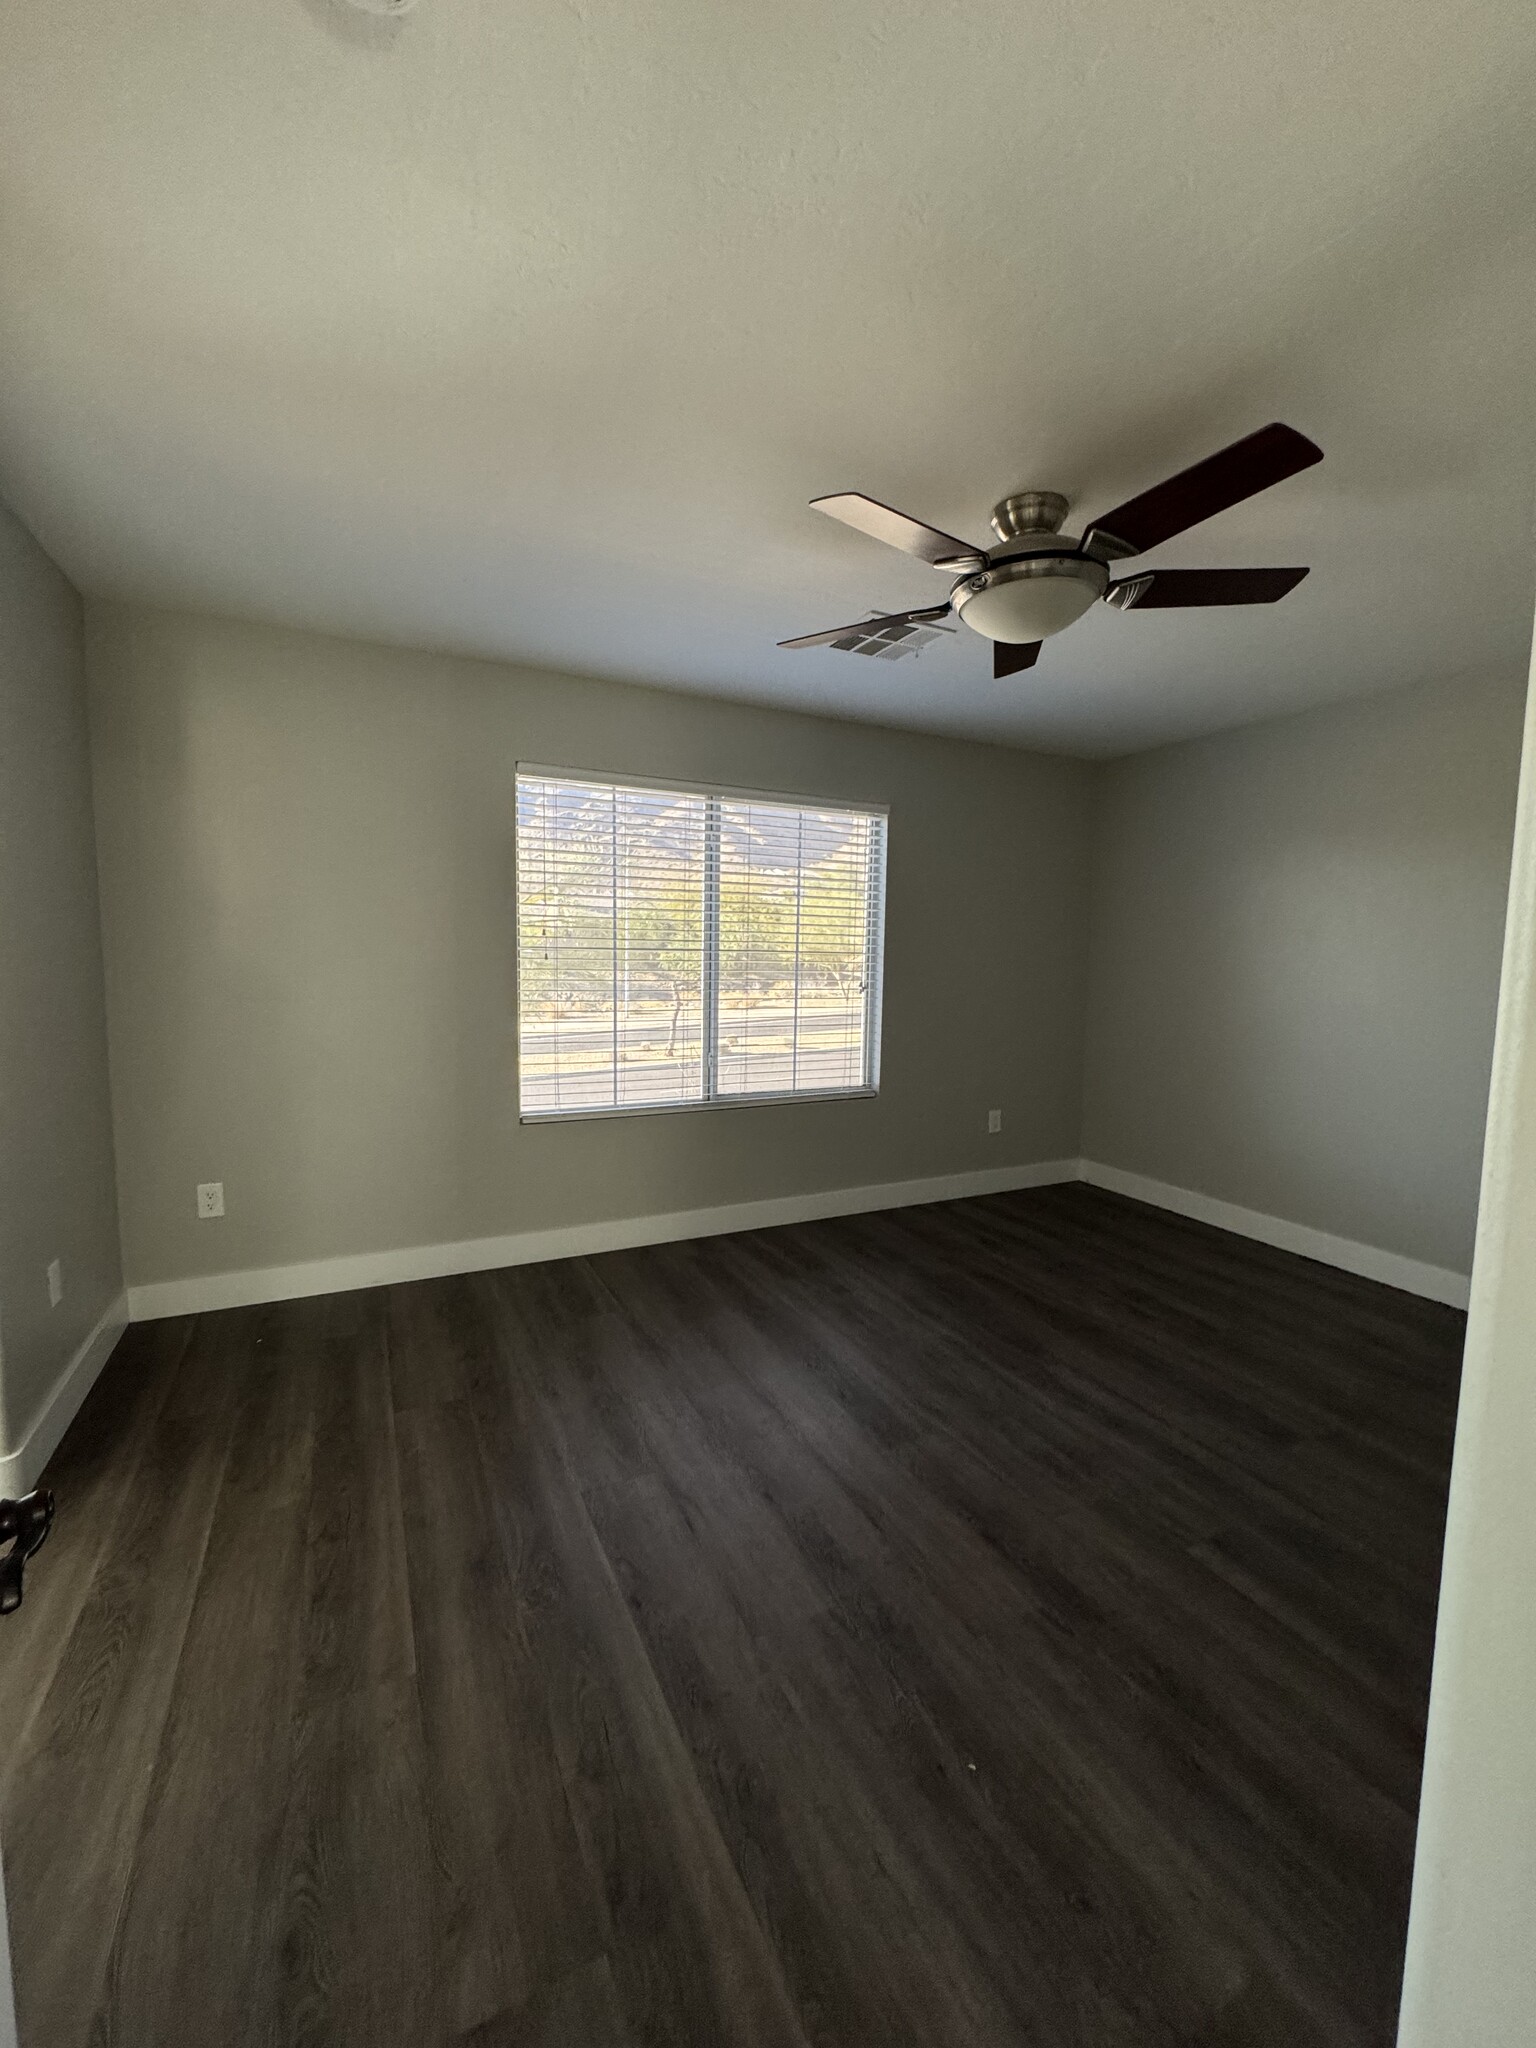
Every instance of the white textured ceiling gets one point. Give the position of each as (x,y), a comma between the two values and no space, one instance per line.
(528,329)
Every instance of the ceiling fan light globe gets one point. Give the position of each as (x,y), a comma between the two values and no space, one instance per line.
(1032,599)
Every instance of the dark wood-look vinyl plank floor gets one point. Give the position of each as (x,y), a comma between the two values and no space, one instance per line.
(1001,1623)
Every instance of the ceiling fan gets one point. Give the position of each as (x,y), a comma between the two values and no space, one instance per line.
(1037,580)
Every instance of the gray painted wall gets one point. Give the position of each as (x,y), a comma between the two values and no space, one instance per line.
(306,856)
(57,1188)
(1295,963)
(306,852)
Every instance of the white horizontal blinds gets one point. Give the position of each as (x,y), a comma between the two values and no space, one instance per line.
(676,946)
(798,894)
(610,945)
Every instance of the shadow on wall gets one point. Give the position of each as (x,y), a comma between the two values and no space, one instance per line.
(375,25)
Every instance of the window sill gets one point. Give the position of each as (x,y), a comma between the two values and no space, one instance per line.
(576,1116)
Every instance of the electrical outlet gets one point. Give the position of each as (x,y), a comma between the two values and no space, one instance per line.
(55,1282)
(994,1122)
(210,1198)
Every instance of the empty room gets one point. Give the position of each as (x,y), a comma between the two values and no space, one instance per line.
(767,1025)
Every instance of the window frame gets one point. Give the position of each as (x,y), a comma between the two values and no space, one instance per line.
(717,793)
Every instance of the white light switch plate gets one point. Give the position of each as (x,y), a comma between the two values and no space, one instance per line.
(55,1282)
(994,1122)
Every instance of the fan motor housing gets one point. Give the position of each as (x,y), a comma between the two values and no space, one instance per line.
(1039,587)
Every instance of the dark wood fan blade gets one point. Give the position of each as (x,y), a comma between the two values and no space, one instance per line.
(1008,657)
(1226,478)
(1161,588)
(880,522)
(865,629)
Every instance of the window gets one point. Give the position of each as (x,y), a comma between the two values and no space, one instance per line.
(680,946)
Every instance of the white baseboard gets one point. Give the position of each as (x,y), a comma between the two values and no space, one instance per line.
(21,1468)
(242,1289)
(1414,1276)
(429,1262)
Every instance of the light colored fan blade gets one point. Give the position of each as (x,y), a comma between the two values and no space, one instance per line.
(881,522)
(864,629)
